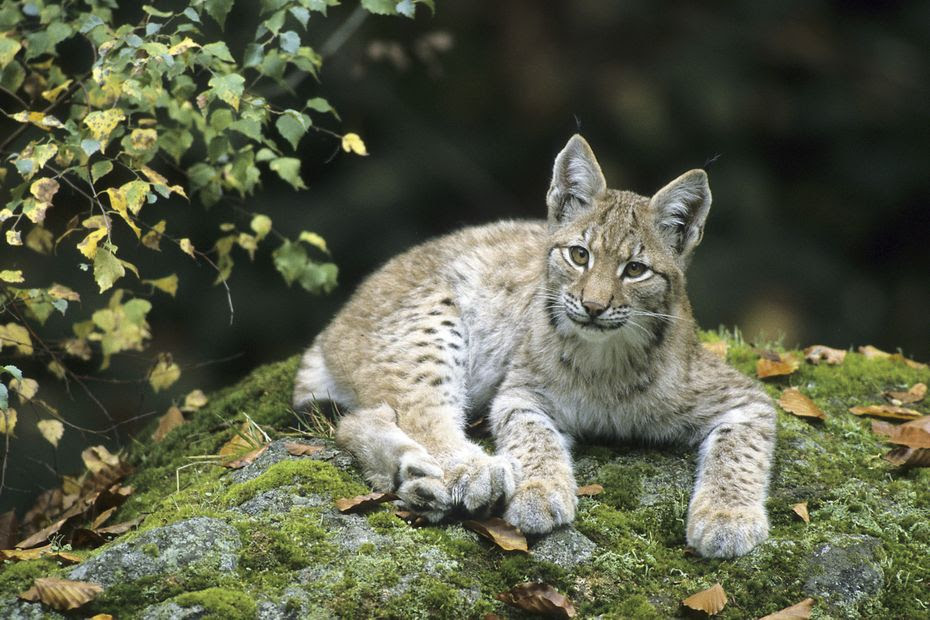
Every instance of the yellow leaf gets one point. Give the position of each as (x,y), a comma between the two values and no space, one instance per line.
(39,119)
(352,143)
(13,237)
(141,140)
(152,239)
(261,225)
(187,247)
(168,284)
(154,176)
(194,401)
(39,240)
(15,335)
(165,373)
(102,123)
(52,430)
(7,421)
(98,458)
(59,291)
(52,94)
(248,243)
(26,388)
(183,46)
(44,189)
(315,240)
(118,202)
(13,276)
(88,246)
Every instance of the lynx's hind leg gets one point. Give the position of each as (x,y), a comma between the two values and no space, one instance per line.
(392,461)
(314,381)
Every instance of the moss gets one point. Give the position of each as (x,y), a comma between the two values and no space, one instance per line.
(150,549)
(623,485)
(17,577)
(220,604)
(310,477)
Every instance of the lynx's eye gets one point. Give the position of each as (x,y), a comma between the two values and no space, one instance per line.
(579,255)
(635,270)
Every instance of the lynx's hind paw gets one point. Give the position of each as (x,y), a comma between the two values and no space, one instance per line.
(480,483)
(540,506)
(720,532)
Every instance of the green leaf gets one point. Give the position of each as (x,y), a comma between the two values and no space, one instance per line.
(261,225)
(155,12)
(253,55)
(15,372)
(218,50)
(89,146)
(275,22)
(379,7)
(8,49)
(288,168)
(107,268)
(292,126)
(191,14)
(218,10)
(301,14)
(290,259)
(228,88)
(100,169)
(221,119)
(290,42)
(248,127)
(406,8)
(4,398)
(12,76)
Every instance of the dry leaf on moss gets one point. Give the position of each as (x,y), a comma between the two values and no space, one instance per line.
(62,594)
(772,364)
(871,352)
(891,412)
(906,456)
(589,490)
(539,598)
(501,533)
(194,401)
(711,601)
(800,611)
(793,401)
(301,449)
(363,502)
(914,434)
(413,519)
(914,394)
(801,511)
(247,440)
(18,555)
(246,459)
(718,348)
(172,419)
(821,353)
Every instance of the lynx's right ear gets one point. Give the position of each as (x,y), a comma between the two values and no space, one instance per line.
(576,181)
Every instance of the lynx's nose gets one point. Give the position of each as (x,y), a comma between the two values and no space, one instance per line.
(594,308)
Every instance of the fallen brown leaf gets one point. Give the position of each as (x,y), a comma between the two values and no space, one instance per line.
(19,555)
(905,456)
(102,517)
(301,449)
(101,617)
(800,611)
(890,412)
(540,598)
(772,364)
(711,601)
(172,419)
(118,529)
(62,594)
(246,440)
(360,503)
(413,519)
(246,459)
(821,353)
(42,535)
(501,533)
(718,348)
(871,352)
(914,434)
(589,490)
(801,511)
(914,394)
(793,401)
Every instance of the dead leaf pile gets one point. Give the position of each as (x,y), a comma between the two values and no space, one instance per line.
(914,394)
(818,353)
(77,510)
(539,598)
(361,503)
(711,601)
(501,533)
(793,401)
(799,611)
(62,594)
(912,439)
(19,555)
(773,364)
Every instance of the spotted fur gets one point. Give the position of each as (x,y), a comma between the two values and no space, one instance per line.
(508,318)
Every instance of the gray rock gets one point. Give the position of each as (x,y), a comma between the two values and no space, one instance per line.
(280,500)
(16,609)
(294,604)
(202,541)
(845,573)
(565,547)
(171,611)
(352,531)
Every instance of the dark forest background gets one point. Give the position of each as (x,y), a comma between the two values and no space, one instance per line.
(811,119)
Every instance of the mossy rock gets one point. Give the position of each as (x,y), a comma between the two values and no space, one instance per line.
(266,540)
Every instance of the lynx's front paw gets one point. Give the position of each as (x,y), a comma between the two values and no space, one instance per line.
(481,482)
(717,531)
(540,506)
(421,487)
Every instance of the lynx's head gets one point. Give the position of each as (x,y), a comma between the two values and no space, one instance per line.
(617,259)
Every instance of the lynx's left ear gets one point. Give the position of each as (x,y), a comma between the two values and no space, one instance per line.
(679,210)
(576,180)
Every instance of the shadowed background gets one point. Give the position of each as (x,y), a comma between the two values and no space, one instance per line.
(811,119)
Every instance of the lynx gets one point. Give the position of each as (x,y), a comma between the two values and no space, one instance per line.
(571,329)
